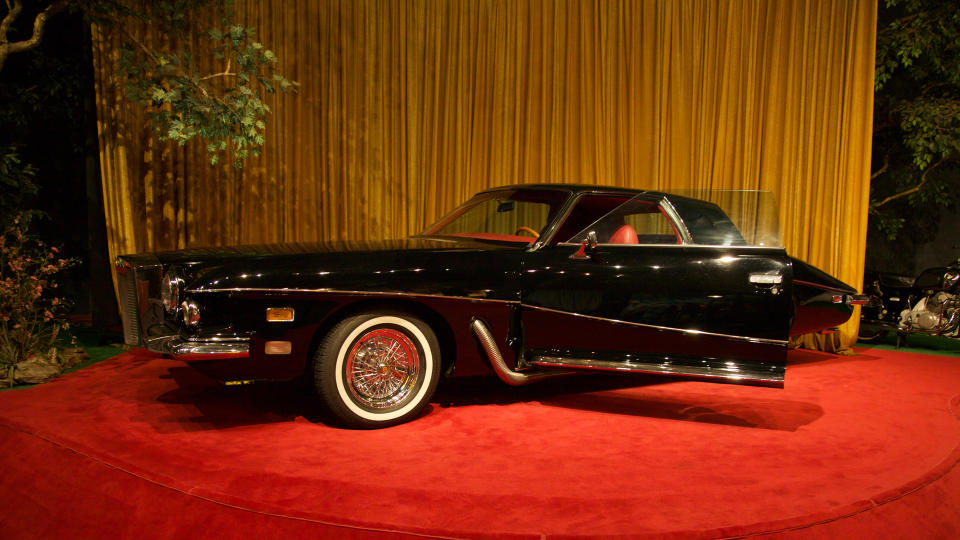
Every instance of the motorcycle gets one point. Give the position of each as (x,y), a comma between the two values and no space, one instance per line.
(928,304)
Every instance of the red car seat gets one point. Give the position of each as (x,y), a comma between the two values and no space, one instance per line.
(624,235)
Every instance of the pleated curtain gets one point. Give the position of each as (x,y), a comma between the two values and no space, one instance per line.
(407,107)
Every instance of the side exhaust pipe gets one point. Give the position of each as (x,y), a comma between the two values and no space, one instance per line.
(507,375)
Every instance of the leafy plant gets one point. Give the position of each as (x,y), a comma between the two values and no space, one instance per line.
(16,181)
(225,108)
(219,102)
(917,113)
(29,305)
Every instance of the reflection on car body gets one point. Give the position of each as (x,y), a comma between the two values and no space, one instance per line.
(522,281)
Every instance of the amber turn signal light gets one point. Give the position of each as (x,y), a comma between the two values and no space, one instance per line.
(277,347)
(279,314)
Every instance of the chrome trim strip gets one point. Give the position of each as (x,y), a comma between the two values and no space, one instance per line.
(820,286)
(712,246)
(474,299)
(212,349)
(547,237)
(218,339)
(706,371)
(766,279)
(178,348)
(782,342)
(361,293)
(685,237)
(127,293)
(858,299)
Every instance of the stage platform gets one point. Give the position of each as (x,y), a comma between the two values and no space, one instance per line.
(143,446)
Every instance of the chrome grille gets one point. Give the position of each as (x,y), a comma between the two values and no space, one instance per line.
(127,287)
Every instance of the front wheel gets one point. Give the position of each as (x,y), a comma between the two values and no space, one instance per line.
(870,334)
(377,369)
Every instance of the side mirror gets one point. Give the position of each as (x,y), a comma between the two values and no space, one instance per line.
(592,239)
(587,247)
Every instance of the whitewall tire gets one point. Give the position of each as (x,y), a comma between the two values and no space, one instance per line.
(377,369)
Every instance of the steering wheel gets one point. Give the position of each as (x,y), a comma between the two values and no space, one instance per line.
(524,228)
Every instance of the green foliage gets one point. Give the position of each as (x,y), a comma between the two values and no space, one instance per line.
(29,305)
(184,97)
(917,112)
(16,183)
(53,94)
(225,108)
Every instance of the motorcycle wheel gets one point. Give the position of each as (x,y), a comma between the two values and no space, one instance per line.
(870,334)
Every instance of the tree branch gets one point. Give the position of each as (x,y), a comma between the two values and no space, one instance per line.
(119,24)
(39,24)
(914,189)
(877,128)
(889,27)
(128,35)
(224,73)
(930,87)
(13,11)
(886,165)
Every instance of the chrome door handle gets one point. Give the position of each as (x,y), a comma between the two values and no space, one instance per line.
(766,279)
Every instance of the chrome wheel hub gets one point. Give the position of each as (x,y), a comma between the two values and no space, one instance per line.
(382,368)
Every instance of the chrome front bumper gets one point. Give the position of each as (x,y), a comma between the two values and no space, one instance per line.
(199,349)
(144,322)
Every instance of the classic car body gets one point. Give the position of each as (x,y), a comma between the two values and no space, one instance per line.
(521,281)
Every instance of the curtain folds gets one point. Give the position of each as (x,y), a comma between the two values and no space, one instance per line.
(407,107)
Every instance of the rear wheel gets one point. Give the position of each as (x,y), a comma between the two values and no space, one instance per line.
(377,369)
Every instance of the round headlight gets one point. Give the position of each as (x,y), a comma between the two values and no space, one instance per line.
(170,287)
(191,312)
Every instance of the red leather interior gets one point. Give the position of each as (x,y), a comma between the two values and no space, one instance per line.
(624,235)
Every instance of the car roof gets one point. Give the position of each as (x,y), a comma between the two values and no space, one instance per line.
(598,188)
(574,188)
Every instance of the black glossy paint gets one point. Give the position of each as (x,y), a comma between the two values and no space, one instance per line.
(691,288)
(815,293)
(628,302)
(654,292)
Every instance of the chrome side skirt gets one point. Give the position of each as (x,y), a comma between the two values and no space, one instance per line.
(716,370)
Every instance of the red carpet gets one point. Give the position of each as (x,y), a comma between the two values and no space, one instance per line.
(141,445)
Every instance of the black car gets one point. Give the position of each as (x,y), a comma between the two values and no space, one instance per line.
(522,281)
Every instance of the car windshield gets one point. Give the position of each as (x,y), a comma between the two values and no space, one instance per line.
(519,215)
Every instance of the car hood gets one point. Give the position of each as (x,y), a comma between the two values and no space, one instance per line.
(225,254)
(429,265)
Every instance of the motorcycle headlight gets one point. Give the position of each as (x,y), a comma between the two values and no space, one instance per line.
(171,286)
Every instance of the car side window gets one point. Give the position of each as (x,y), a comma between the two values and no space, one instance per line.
(634,222)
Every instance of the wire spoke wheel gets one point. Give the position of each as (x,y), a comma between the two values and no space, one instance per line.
(382,368)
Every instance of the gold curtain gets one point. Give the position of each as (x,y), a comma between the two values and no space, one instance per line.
(407,107)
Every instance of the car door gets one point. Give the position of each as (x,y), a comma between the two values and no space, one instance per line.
(646,299)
